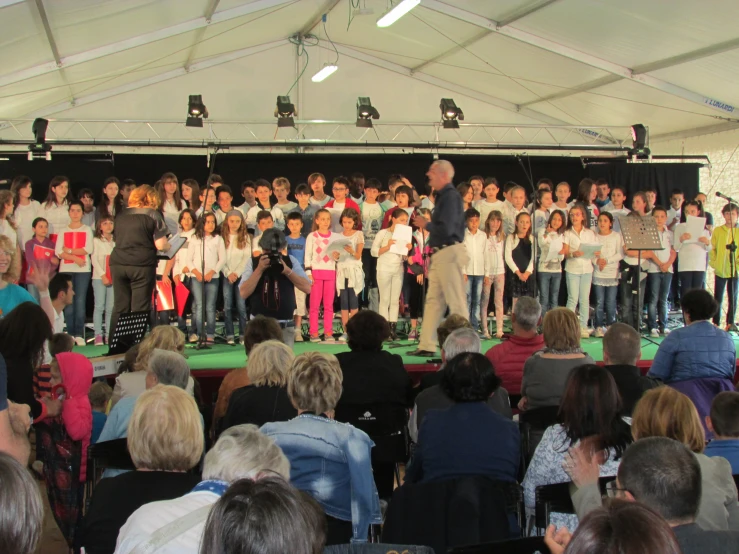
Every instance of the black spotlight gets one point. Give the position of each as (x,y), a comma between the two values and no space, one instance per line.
(450,114)
(39,148)
(366,112)
(196,111)
(284,112)
(639,138)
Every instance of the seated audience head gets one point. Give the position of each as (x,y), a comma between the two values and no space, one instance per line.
(698,305)
(314,383)
(621,345)
(21,508)
(561,330)
(449,325)
(459,341)
(144,197)
(268,516)
(165,432)
(162,337)
(665,412)
(60,342)
(526,315)
(591,408)
(269,363)
(260,329)
(99,395)
(623,528)
(663,474)
(366,331)
(24,332)
(10,269)
(60,288)
(469,377)
(724,418)
(167,368)
(242,452)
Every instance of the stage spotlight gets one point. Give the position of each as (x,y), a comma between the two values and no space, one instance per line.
(39,149)
(397,12)
(366,112)
(639,138)
(196,111)
(284,112)
(450,113)
(39,130)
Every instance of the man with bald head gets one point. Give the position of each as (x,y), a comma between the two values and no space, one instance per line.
(446,288)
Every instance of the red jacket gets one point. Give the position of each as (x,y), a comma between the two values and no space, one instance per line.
(348,203)
(509,356)
(76,371)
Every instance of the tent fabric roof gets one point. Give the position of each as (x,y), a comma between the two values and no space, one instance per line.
(672,65)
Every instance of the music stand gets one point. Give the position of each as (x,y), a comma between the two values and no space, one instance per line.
(640,234)
(129,330)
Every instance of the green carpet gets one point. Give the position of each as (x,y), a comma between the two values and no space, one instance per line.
(229,357)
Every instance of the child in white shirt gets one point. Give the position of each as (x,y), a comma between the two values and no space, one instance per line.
(578,267)
(321,270)
(617,206)
(475,241)
(494,272)
(606,273)
(549,274)
(349,274)
(102,285)
(659,274)
(236,241)
(691,251)
(519,257)
(490,201)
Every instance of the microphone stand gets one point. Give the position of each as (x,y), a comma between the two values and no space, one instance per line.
(203,337)
(535,240)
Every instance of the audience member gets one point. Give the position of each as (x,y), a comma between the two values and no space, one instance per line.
(258,330)
(165,441)
(372,375)
(315,444)
(699,350)
(21,508)
(100,394)
(665,412)
(545,373)
(620,528)
(724,424)
(265,398)
(267,517)
(509,357)
(621,352)
(463,340)
(447,327)
(590,409)
(165,368)
(468,437)
(664,475)
(241,452)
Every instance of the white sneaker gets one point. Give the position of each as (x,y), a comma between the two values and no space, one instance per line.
(79,341)
(585,333)
(299,336)
(654,333)
(666,332)
(343,338)
(600,332)
(193,338)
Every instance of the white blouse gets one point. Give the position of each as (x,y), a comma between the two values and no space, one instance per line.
(69,266)
(101,249)
(24,216)
(389,262)
(57,216)
(612,250)
(475,245)
(691,256)
(236,257)
(582,264)
(494,256)
(215,254)
(545,241)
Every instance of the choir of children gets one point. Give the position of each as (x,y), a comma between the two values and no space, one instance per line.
(514,249)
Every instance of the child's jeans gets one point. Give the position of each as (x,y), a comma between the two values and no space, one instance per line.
(103,306)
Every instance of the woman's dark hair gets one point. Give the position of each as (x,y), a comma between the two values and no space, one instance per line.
(268,516)
(351,213)
(77,203)
(103,209)
(540,194)
(591,408)
(192,216)
(583,191)
(200,224)
(19,182)
(192,184)
(260,329)
(51,195)
(367,330)
(469,377)
(684,216)
(562,217)
(699,304)
(623,527)
(23,332)
(398,213)
(607,215)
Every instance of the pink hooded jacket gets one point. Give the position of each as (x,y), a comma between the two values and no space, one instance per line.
(76,372)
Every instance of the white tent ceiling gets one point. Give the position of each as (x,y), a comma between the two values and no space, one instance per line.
(672,65)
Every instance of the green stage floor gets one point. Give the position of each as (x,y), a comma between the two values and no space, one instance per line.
(221,357)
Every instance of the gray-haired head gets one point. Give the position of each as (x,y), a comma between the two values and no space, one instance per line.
(169,368)
(272,237)
(21,508)
(243,452)
(527,313)
(446,167)
(460,341)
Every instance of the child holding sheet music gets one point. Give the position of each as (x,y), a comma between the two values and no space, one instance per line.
(40,249)
(549,273)
(605,274)
(691,251)
(238,251)
(321,270)
(494,256)
(102,284)
(179,268)
(579,267)
(73,247)
(349,274)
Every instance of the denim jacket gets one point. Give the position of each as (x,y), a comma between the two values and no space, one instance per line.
(331,461)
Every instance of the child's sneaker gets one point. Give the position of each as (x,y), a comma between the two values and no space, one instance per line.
(654,333)
(299,336)
(600,332)
(315,339)
(413,335)
(98,340)
(585,333)
(343,338)
(230,340)
(666,332)
(79,341)
(193,338)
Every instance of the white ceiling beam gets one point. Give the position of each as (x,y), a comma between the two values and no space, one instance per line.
(316,20)
(141,40)
(569,91)
(523,11)
(466,44)
(691,56)
(577,55)
(200,33)
(179,72)
(447,85)
(6,3)
(696,132)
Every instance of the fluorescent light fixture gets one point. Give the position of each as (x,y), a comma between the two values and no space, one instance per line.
(397,12)
(324,72)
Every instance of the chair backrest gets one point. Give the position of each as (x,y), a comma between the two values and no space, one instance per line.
(532,424)
(528,545)
(377,548)
(374,419)
(105,455)
(556,498)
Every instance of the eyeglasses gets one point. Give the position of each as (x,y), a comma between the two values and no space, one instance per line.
(612,490)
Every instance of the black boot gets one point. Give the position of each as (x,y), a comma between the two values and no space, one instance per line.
(393,334)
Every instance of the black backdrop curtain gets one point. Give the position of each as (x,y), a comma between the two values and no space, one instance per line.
(85,170)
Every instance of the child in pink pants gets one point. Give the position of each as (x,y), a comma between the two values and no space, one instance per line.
(321,268)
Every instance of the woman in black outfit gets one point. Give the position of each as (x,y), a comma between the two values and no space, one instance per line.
(140,231)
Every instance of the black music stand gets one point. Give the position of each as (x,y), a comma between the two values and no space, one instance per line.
(640,234)
(129,330)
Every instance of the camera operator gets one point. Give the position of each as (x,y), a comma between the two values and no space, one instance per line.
(269,283)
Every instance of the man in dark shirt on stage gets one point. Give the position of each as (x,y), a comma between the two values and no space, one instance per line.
(446,286)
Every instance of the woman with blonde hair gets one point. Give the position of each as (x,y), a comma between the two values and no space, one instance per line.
(545,373)
(665,412)
(265,398)
(318,446)
(133,383)
(165,440)
(140,232)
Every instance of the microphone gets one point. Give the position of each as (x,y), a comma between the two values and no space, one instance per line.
(727,198)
